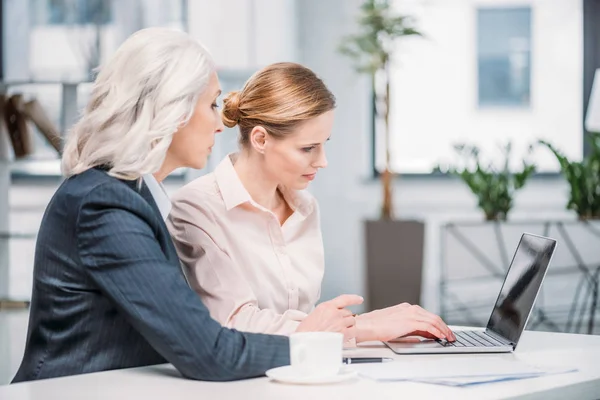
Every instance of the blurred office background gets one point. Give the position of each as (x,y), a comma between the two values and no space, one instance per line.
(484,73)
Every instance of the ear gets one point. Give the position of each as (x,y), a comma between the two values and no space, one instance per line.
(258,138)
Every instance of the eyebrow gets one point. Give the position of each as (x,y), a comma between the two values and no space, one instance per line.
(218,93)
(316,144)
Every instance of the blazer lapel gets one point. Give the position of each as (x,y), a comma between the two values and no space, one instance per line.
(140,186)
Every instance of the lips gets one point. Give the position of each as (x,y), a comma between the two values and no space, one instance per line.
(310,177)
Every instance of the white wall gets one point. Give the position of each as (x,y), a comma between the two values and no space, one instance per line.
(345,191)
(58,52)
(245,34)
(72,43)
(347,195)
(16,45)
(435,84)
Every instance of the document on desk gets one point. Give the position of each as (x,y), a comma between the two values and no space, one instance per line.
(456,371)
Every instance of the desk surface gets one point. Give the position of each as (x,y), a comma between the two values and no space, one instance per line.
(164,382)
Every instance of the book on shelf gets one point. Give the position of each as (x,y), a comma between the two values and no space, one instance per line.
(15,115)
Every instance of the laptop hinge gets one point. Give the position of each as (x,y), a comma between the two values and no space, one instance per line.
(500,338)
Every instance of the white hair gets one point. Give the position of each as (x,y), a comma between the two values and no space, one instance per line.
(147,90)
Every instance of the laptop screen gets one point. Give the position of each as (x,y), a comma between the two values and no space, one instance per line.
(521,285)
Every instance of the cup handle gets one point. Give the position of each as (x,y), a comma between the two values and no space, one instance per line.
(299,353)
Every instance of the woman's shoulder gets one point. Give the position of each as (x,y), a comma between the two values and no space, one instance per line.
(204,187)
(89,184)
(200,196)
(95,189)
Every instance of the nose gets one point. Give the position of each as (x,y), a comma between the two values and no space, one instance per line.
(321,161)
(220,126)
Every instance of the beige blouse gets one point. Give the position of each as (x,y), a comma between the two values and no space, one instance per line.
(252,273)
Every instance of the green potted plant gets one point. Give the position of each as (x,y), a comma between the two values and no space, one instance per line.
(494,187)
(372,51)
(583,178)
(480,249)
(394,248)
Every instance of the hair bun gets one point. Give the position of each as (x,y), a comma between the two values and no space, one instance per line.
(231,109)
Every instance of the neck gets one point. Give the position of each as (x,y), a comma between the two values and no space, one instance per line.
(165,169)
(262,190)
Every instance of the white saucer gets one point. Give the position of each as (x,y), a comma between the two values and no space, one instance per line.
(288,375)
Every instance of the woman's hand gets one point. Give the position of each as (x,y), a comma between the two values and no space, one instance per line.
(332,316)
(401,320)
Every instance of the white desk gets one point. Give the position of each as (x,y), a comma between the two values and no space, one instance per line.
(164,382)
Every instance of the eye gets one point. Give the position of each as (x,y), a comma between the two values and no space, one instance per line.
(308,149)
(214,105)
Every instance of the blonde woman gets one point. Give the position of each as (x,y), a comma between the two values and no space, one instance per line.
(108,288)
(249,234)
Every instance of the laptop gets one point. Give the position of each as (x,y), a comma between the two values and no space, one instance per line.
(510,314)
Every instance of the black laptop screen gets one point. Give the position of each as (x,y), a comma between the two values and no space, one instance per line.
(521,286)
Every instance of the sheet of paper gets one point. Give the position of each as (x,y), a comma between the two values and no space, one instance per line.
(477,380)
(451,367)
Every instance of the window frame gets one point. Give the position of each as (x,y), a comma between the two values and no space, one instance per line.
(591,62)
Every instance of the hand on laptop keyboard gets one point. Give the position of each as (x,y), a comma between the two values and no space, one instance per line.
(401,320)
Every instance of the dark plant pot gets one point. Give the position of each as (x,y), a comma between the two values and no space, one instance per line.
(496,218)
(394,257)
(584,218)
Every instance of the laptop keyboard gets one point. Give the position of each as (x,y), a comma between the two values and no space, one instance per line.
(472,339)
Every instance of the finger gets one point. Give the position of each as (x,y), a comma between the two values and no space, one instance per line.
(447,329)
(424,334)
(346,300)
(437,321)
(430,321)
(433,322)
(349,321)
(426,327)
(449,334)
(350,333)
(453,336)
(346,313)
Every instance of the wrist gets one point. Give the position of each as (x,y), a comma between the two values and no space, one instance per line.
(364,328)
(301,327)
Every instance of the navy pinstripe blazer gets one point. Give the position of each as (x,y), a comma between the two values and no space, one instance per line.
(109,293)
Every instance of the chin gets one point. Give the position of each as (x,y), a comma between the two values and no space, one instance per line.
(198,164)
(301,185)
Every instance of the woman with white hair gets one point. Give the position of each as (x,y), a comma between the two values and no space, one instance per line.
(108,289)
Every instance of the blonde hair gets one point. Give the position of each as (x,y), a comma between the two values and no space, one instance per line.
(279,98)
(147,90)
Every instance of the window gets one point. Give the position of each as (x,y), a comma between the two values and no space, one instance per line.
(54,48)
(484,77)
(71,12)
(503,56)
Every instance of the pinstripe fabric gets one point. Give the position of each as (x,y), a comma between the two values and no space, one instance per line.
(109,293)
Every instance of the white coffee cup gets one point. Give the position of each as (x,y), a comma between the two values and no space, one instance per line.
(316,354)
